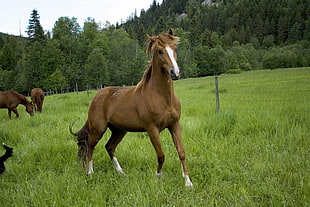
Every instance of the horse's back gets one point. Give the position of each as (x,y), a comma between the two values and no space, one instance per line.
(109,97)
(7,98)
(116,106)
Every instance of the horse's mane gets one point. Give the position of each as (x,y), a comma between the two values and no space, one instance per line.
(145,78)
(161,40)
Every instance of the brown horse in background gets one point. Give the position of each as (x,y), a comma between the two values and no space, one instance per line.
(37,97)
(151,106)
(11,99)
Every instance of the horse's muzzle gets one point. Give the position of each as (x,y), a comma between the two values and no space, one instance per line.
(173,75)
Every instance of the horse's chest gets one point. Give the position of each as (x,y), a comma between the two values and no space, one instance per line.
(165,118)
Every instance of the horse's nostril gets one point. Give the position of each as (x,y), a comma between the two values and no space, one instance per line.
(173,75)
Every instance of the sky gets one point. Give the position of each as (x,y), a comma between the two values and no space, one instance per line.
(15,14)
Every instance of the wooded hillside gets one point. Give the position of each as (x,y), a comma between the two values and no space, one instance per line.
(216,37)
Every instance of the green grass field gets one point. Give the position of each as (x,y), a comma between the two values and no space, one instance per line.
(255,152)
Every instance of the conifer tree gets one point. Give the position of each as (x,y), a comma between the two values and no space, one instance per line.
(35,30)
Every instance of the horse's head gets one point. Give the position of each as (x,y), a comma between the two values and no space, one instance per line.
(163,48)
(29,108)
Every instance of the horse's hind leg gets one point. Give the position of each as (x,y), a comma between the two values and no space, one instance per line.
(116,137)
(94,138)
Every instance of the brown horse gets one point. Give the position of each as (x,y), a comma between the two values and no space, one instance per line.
(37,97)
(151,106)
(11,99)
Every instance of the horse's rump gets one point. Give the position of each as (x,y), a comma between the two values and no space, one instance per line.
(37,97)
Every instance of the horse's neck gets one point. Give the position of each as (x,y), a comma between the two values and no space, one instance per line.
(23,100)
(162,84)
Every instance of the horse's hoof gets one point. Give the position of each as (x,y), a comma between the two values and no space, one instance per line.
(189,185)
(121,172)
(188,182)
(158,175)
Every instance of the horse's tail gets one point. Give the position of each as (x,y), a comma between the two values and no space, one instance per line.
(82,142)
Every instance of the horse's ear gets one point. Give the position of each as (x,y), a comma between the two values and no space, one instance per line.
(170,32)
(152,39)
(150,44)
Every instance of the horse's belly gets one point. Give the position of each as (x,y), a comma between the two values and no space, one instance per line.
(128,125)
(127,120)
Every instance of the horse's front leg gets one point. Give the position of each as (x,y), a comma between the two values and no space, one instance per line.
(9,113)
(15,111)
(155,139)
(176,134)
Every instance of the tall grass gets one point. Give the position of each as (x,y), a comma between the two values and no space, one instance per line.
(255,152)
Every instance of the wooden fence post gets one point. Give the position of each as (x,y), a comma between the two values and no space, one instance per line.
(217,94)
(87,89)
(76,88)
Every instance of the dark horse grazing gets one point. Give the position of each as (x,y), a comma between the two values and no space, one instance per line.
(37,97)
(151,106)
(3,158)
(11,99)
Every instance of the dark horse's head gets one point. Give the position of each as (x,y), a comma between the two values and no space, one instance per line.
(29,108)
(163,48)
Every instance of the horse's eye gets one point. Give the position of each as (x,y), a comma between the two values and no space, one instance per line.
(160,52)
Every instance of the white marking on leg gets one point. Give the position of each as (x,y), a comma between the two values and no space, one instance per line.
(174,62)
(117,166)
(90,167)
(188,181)
(158,174)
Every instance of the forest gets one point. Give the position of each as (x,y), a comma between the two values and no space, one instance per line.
(217,36)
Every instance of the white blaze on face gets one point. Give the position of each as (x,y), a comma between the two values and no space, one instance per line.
(174,62)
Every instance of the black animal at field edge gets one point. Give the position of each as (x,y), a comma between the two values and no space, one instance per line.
(3,158)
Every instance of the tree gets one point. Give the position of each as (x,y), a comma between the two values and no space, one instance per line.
(56,80)
(5,80)
(217,60)
(268,41)
(306,34)
(66,33)
(96,68)
(161,25)
(141,36)
(90,31)
(210,61)
(35,31)
(295,33)
(8,56)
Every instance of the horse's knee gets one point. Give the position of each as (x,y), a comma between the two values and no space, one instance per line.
(107,147)
(161,158)
(182,155)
